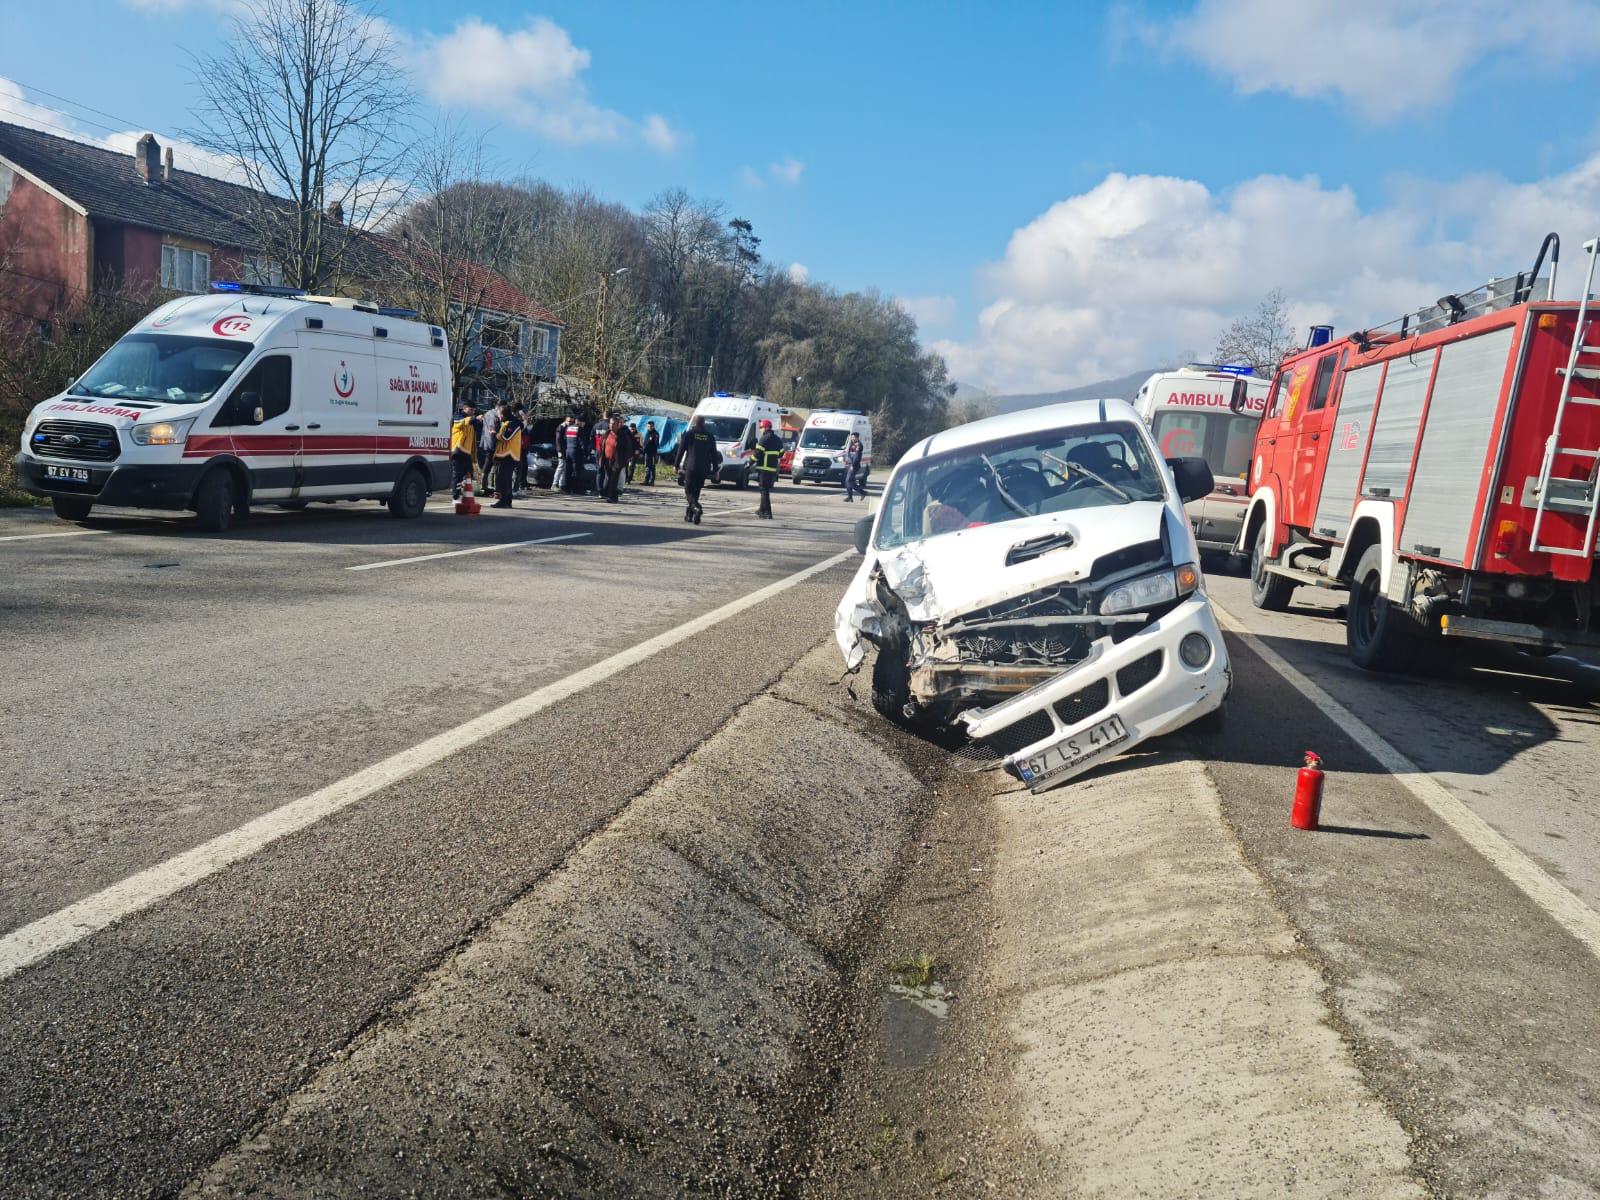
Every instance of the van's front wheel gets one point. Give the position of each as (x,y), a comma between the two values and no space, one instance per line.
(71,508)
(214,501)
(410,495)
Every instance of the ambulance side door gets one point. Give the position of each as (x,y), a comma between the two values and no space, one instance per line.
(263,418)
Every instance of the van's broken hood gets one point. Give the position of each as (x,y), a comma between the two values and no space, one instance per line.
(953,574)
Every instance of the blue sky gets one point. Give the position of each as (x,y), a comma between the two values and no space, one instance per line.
(1059,192)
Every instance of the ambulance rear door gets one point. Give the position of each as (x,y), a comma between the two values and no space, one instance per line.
(413,407)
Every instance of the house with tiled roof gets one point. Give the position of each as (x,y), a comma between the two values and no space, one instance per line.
(75,217)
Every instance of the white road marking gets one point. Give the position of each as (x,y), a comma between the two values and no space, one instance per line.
(27,537)
(397,562)
(1571,913)
(70,925)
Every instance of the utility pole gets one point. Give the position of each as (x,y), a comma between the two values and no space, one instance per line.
(602,382)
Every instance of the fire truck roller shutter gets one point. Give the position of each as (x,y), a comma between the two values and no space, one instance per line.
(1451,466)
(1351,427)
(1394,431)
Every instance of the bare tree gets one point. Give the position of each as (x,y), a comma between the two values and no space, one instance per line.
(303,101)
(1261,339)
(452,246)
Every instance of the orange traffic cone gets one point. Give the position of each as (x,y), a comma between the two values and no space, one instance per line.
(467,506)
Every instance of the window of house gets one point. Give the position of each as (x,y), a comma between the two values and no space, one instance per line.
(537,340)
(260,269)
(185,270)
(498,333)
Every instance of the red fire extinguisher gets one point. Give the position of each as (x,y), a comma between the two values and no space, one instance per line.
(1308,793)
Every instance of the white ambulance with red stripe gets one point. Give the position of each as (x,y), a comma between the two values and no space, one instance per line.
(1191,412)
(253,396)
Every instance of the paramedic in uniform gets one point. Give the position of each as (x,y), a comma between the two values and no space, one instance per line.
(769,449)
(463,447)
(507,450)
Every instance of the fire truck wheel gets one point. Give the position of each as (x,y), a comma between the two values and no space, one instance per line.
(1267,590)
(1379,636)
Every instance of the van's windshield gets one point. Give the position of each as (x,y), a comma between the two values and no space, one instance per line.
(824,439)
(726,429)
(1055,470)
(162,366)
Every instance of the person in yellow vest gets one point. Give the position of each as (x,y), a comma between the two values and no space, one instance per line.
(507,450)
(769,449)
(463,446)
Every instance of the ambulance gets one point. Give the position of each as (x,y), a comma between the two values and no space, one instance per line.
(1191,412)
(819,458)
(255,395)
(734,419)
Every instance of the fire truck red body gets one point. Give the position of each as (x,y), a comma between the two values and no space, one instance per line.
(1444,472)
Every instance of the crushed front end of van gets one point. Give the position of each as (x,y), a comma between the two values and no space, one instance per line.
(1038,588)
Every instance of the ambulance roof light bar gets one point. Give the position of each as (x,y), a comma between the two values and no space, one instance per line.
(257,289)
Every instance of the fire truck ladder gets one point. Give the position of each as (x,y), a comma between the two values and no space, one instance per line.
(1579,497)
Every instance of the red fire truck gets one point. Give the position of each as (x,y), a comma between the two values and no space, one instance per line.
(1443,469)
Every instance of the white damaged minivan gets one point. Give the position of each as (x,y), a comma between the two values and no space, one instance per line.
(1033,579)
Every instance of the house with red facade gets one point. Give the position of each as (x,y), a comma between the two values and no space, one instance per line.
(75,217)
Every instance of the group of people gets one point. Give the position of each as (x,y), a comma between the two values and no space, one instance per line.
(494,445)
(491,445)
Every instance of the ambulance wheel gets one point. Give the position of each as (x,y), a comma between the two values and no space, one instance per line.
(744,478)
(214,501)
(410,495)
(1267,590)
(71,508)
(1379,635)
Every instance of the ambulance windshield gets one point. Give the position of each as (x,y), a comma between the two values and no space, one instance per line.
(824,439)
(726,429)
(162,366)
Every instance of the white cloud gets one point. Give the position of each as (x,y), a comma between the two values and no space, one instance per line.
(1383,58)
(788,171)
(751,178)
(929,310)
(1141,269)
(533,75)
(799,272)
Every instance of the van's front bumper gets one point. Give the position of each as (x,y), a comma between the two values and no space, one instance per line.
(125,485)
(1113,700)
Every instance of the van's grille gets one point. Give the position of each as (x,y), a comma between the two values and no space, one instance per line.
(1082,705)
(86,441)
(1024,733)
(1138,673)
(812,462)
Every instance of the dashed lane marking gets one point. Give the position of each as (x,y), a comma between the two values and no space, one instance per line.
(28,537)
(400,562)
(70,925)
(1571,913)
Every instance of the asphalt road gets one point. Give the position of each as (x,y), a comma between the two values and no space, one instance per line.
(169,688)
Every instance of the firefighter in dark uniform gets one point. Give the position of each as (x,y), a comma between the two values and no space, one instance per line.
(698,456)
(769,449)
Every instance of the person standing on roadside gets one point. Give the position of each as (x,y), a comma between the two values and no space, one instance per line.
(852,468)
(570,447)
(463,447)
(633,437)
(507,449)
(521,415)
(652,451)
(768,450)
(486,435)
(597,434)
(617,454)
(697,455)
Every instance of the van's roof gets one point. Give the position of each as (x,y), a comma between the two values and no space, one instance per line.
(247,317)
(1023,421)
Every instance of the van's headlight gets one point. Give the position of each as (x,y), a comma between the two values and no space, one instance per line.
(162,433)
(1150,590)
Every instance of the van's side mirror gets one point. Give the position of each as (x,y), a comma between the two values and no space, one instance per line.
(67,386)
(1241,396)
(1193,477)
(247,409)
(863,534)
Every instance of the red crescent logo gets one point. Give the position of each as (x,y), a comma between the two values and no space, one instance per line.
(347,379)
(231,326)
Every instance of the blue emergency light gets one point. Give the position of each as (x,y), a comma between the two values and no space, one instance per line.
(1224,368)
(256,289)
(407,313)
